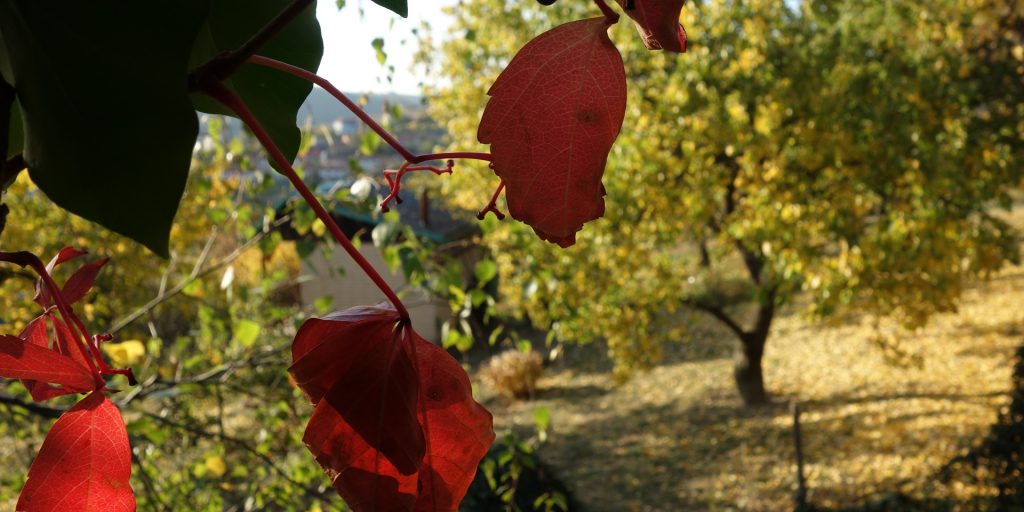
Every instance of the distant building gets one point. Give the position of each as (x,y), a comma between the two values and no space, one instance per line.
(340,278)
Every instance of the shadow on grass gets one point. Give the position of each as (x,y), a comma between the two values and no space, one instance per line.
(701,456)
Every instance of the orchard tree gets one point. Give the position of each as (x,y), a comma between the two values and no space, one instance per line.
(857,153)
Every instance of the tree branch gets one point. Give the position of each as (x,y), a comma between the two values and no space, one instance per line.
(754,262)
(721,316)
(217,374)
(245,446)
(197,273)
(32,407)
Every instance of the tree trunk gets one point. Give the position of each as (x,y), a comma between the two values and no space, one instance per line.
(747,372)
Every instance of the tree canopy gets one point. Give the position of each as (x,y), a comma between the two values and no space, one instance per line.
(855,153)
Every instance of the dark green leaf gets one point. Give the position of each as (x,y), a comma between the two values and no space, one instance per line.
(273,96)
(16,134)
(400,7)
(10,128)
(305,247)
(109,127)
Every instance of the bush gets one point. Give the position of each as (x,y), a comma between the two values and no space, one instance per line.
(514,373)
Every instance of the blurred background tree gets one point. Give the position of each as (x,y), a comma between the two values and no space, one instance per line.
(855,153)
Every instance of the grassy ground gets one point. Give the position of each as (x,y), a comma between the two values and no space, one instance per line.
(676,438)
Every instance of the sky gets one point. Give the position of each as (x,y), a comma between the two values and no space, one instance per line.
(350,61)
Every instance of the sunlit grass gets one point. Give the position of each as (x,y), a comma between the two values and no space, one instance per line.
(677,438)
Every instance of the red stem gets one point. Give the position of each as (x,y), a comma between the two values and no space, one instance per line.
(27,259)
(609,14)
(486,157)
(351,105)
(361,114)
(219,92)
(395,184)
(492,205)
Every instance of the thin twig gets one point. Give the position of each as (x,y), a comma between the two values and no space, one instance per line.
(217,375)
(147,482)
(197,273)
(266,459)
(32,407)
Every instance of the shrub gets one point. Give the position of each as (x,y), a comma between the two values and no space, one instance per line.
(514,373)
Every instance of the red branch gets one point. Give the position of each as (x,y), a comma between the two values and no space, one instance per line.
(609,14)
(219,92)
(492,205)
(361,114)
(395,183)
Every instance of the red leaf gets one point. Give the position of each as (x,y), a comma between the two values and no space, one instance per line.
(67,343)
(395,426)
(36,333)
(64,255)
(553,115)
(657,21)
(82,280)
(84,463)
(459,430)
(22,360)
(77,285)
(43,297)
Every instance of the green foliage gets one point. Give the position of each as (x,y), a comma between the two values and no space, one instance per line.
(399,7)
(854,152)
(110,65)
(74,60)
(513,465)
(274,97)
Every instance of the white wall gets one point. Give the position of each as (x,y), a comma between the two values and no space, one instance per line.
(343,280)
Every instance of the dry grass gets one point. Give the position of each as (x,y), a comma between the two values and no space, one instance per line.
(513,374)
(677,438)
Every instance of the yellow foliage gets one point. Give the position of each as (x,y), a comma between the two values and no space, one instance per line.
(215,466)
(126,353)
